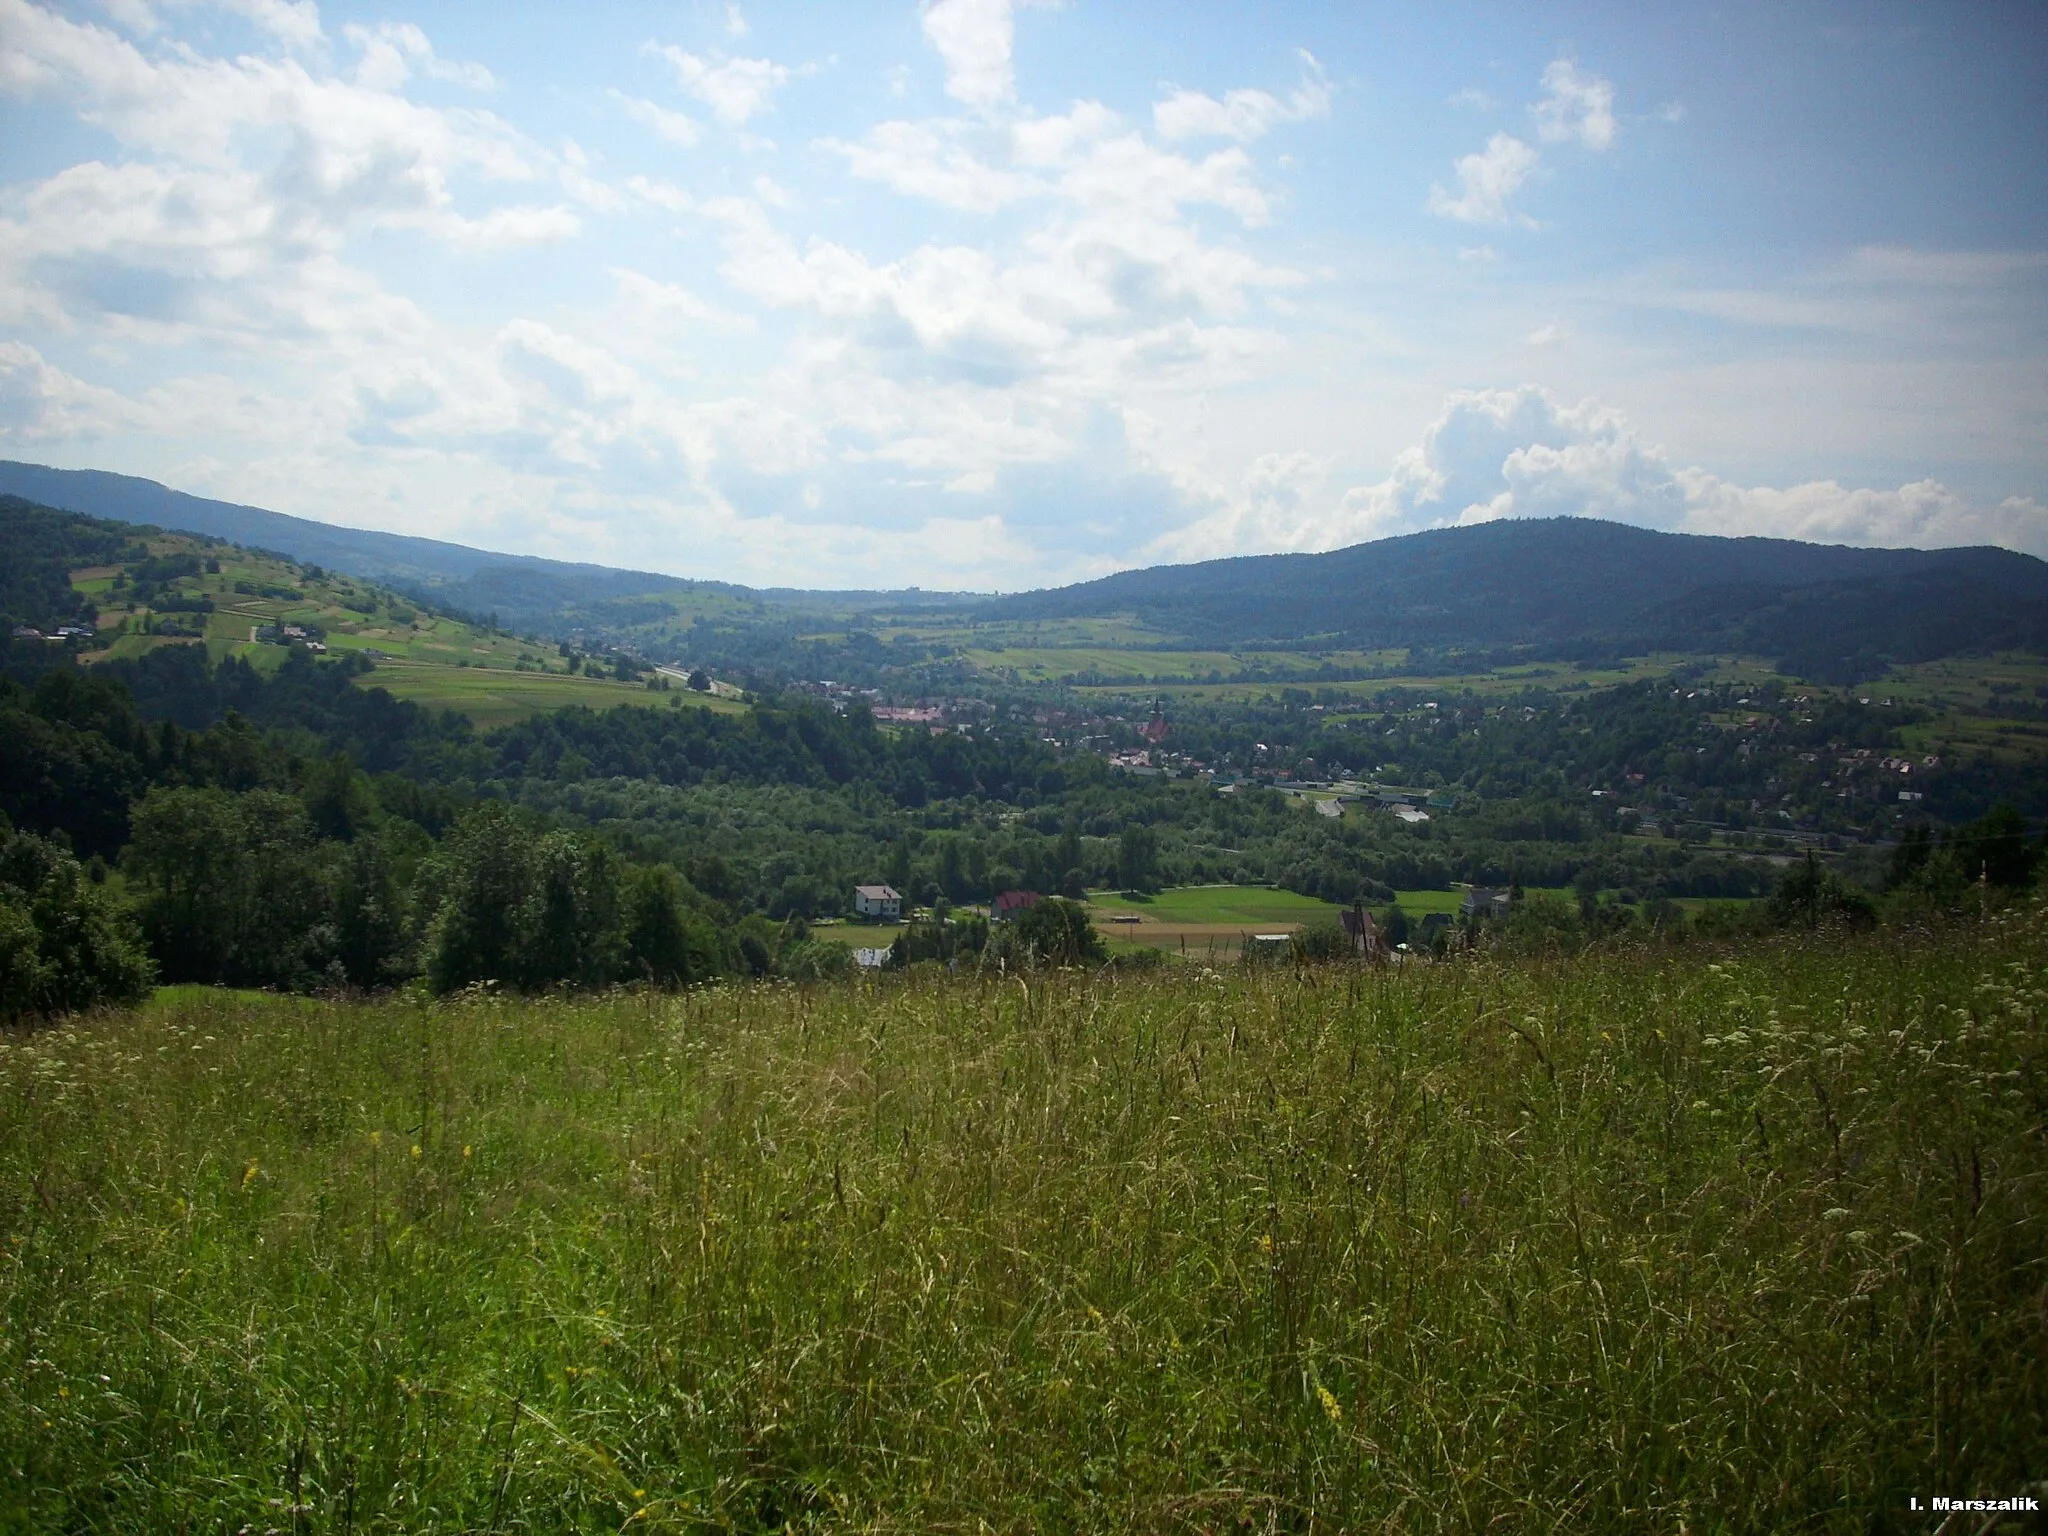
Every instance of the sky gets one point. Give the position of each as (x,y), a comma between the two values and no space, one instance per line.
(975,295)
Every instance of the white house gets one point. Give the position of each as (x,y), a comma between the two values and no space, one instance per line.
(877,901)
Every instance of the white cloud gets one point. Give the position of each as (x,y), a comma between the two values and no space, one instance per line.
(1575,106)
(734,89)
(928,160)
(394,49)
(42,403)
(661,194)
(667,123)
(1925,514)
(1486,180)
(1243,114)
(1523,453)
(295,23)
(1546,335)
(974,39)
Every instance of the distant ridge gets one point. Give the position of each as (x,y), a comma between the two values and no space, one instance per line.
(1579,586)
(1572,588)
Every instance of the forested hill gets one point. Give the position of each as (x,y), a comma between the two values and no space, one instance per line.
(1573,583)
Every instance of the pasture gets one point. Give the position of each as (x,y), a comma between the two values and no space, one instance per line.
(1659,1241)
(494,696)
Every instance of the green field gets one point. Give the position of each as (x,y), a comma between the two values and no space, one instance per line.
(493,696)
(1650,1241)
(1248,904)
(1050,664)
(1502,680)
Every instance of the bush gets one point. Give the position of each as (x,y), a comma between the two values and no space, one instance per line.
(1319,942)
(815,960)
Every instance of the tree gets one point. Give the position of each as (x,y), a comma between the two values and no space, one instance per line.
(1057,932)
(369,916)
(1810,893)
(1137,850)
(64,943)
(665,944)
(231,890)
(699,682)
(569,921)
(477,885)
(1994,849)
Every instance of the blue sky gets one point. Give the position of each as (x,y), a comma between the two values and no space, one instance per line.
(968,295)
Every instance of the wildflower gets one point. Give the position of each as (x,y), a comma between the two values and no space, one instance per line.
(1331,1407)
(249,1174)
(465,1151)
(415,1151)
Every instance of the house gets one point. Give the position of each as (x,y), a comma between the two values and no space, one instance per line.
(1012,904)
(870,959)
(1155,729)
(1484,901)
(877,901)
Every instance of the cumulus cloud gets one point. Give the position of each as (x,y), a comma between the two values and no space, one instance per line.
(1524,453)
(930,161)
(1486,180)
(676,127)
(394,50)
(974,39)
(1243,114)
(43,403)
(734,89)
(1576,107)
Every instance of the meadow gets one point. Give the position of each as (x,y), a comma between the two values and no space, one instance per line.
(1646,1241)
(497,696)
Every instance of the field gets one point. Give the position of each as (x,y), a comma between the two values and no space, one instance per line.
(1205,922)
(1963,694)
(1641,1242)
(1492,683)
(495,696)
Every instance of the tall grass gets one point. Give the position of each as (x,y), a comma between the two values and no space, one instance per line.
(1633,1243)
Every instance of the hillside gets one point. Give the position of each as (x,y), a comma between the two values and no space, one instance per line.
(133,589)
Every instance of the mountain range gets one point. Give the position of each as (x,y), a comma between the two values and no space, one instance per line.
(1562,587)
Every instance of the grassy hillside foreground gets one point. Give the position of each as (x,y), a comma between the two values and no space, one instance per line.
(1635,1243)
